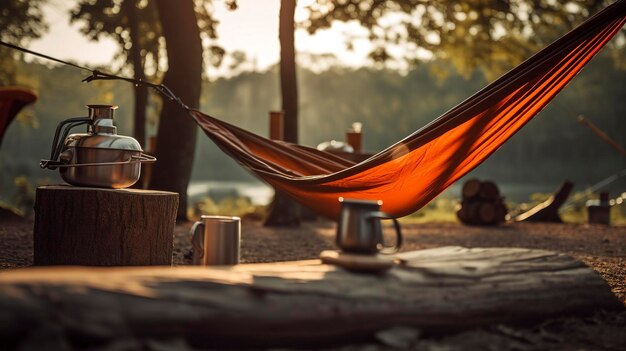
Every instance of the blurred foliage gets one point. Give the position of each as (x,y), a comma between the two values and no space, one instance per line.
(492,35)
(24,196)
(133,24)
(239,206)
(20,22)
(441,210)
(116,20)
(575,208)
(551,148)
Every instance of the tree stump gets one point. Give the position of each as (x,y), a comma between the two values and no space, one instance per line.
(548,211)
(103,227)
(301,304)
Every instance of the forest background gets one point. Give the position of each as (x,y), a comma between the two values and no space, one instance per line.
(390,104)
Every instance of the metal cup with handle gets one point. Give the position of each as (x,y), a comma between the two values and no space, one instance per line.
(359,229)
(216,240)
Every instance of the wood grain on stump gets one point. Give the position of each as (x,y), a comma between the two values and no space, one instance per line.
(301,303)
(103,227)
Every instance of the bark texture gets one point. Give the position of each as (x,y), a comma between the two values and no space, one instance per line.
(177,131)
(103,227)
(300,303)
(284,211)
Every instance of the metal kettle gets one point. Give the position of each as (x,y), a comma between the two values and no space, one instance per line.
(98,158)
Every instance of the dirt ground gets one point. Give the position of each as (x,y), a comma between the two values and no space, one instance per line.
(601,247)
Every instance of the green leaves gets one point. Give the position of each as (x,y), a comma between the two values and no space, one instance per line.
(494,35)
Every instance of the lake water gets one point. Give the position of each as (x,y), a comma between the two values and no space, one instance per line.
(261,194)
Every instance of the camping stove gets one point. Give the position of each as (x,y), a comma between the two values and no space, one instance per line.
(98,158)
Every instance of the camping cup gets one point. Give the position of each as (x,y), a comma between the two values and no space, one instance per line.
(359,229)
(216,240)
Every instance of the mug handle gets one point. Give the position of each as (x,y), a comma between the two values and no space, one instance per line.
(386,250)
(197,242)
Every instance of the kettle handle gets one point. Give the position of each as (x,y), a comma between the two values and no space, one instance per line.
(59,136)
(389,249)
(143,158)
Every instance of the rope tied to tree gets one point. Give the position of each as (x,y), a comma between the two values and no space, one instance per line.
(99,75)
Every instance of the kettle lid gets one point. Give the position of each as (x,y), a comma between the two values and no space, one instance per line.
(103,141)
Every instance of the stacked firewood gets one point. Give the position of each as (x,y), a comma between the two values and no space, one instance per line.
(481,204)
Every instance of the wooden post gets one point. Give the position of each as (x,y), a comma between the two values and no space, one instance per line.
(283,211)
(600,213)
(354,138)
(277,129)
(103,227)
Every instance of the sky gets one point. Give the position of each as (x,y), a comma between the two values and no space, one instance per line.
(252,28)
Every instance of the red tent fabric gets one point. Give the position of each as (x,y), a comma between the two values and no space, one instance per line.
(410,173)
(12,100)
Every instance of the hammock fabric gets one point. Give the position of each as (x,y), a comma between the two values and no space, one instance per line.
(12,100)
(410,173)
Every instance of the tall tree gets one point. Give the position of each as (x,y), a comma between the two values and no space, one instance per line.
(284,211)
(288,81)
(20,22)
(139,26)
(135,26)
(177,131)
(491,34)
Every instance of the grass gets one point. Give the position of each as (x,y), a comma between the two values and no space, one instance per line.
(440,210)
(229,206)
(443,209)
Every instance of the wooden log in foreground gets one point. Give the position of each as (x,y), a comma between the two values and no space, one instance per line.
(103,227)
(294,303)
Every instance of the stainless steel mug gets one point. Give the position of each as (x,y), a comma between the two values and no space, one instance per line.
(216,240)
(359,229)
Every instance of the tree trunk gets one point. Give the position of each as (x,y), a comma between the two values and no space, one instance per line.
(103,227)
(141,92)
(299,304)
(288,81)
(177,131)
(284,211)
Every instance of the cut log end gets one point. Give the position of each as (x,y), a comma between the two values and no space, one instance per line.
(481,204)
(471,189)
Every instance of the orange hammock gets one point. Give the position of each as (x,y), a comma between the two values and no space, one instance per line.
(410,173)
